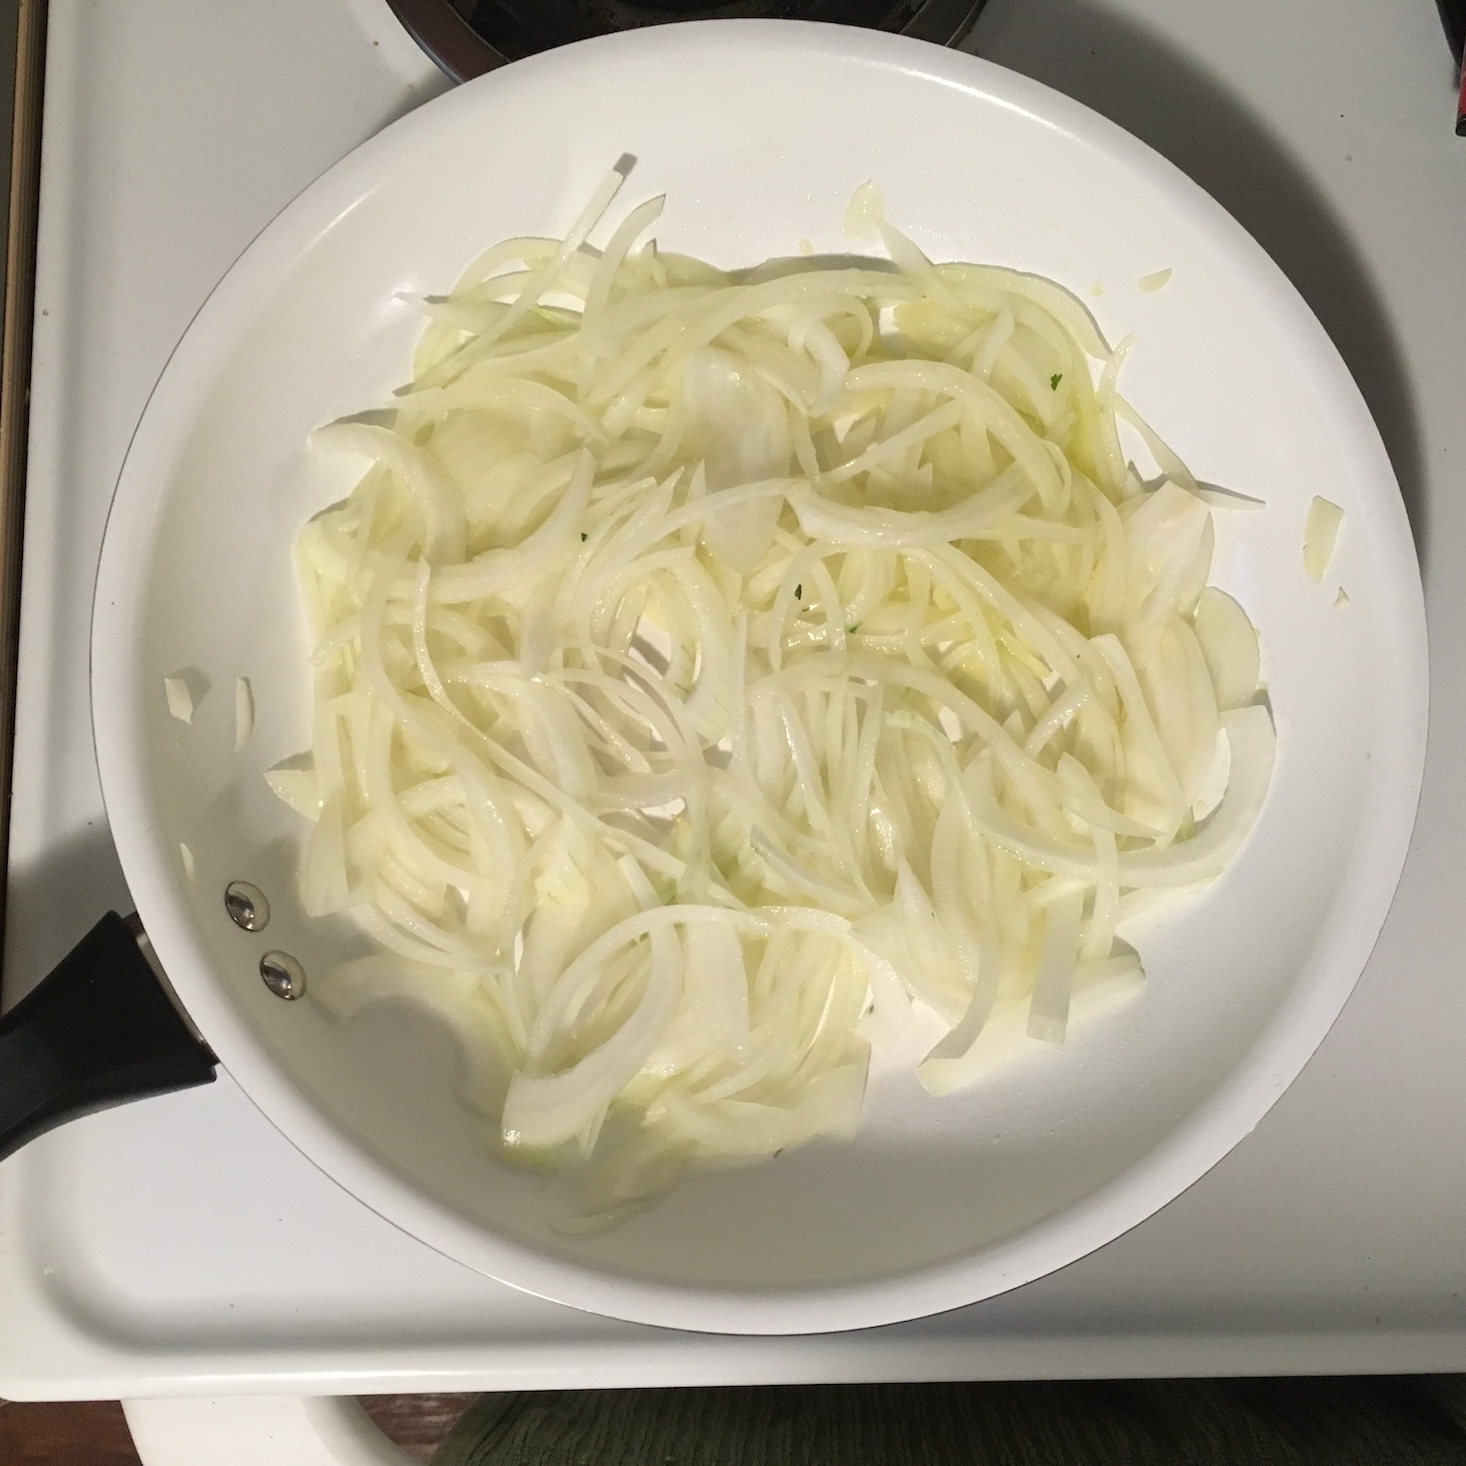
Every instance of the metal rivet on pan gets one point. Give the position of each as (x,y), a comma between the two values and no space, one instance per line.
(283,975)
(246,906)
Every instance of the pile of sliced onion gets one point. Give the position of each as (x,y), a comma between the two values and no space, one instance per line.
(711,669)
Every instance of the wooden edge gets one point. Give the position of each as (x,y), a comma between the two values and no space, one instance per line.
(15,370)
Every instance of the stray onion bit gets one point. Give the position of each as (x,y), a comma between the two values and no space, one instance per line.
(180,700)
(184,691)
(711,669)
(186,856)
(244,712)
(1320,533)
(1342,599)
(1156,280)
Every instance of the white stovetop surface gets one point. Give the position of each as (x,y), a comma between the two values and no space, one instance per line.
(183,1246)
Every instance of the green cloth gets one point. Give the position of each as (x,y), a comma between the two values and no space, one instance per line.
(1385,1421)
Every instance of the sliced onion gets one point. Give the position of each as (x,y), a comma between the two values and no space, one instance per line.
(713,670)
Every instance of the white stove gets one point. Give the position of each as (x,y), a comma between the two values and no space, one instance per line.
(181,1246)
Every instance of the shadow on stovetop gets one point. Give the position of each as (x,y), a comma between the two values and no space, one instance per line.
(1153,91)
(53,902)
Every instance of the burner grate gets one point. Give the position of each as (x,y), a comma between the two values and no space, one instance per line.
(468,37)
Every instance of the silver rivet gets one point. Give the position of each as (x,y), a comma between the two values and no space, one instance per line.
(246,906)
(283,975)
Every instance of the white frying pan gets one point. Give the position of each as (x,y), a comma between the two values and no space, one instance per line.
(758,133)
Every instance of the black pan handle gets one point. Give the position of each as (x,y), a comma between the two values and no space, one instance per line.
(99,1030)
